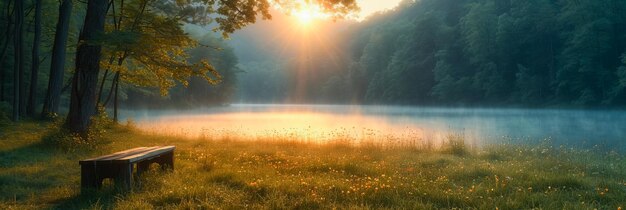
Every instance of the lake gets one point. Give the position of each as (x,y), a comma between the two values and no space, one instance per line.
(391,124)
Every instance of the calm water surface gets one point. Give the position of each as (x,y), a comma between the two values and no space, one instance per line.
(577,128)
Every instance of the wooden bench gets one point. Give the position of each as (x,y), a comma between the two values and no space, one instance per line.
(119,166)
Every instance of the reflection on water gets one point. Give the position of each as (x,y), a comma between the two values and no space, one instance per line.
(604,129)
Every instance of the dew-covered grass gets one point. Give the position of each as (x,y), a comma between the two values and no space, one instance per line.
(233,173)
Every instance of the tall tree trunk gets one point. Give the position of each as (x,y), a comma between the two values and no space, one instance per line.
(57,67)
(22,72)
(7,33)
(18,68)
(34,73)
(85,82)
(7,36)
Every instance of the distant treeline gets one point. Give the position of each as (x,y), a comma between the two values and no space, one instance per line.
(488,52)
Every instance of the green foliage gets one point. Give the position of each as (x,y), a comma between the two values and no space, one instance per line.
(195,91)
(148,48)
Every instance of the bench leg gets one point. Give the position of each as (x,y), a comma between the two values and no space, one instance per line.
(143,166)
(124,177)
(88,177)
(166,161)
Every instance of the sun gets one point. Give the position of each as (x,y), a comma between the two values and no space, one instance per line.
(305,17)
(306,13)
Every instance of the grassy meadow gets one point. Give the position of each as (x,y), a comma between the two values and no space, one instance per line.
(237,173)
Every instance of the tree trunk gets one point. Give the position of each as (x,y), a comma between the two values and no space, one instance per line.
(85,81)
(7,36)
(117,74)
(22,72)
(57,67)
(104,79)
(117,88)
(7,33)
(18,66)
(120,61)
(34,73)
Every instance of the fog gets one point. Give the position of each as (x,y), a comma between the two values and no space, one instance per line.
(392,124)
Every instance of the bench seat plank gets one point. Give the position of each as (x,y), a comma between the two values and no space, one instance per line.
(148,154)
(118,154)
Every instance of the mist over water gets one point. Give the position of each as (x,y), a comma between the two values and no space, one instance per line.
(392,124)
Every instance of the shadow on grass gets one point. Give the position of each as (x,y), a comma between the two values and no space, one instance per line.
(34,153)
(97,199)
(38,174)
(26,170)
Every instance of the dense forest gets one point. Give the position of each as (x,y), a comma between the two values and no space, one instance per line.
(479,52)
(535,52)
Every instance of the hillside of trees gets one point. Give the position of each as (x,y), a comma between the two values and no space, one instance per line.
(534,53)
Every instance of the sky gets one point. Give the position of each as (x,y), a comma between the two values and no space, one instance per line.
(369,7)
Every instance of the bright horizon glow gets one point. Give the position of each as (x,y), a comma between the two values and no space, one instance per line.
(306,12)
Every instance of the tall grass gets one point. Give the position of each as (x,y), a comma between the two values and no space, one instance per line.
(455,144)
